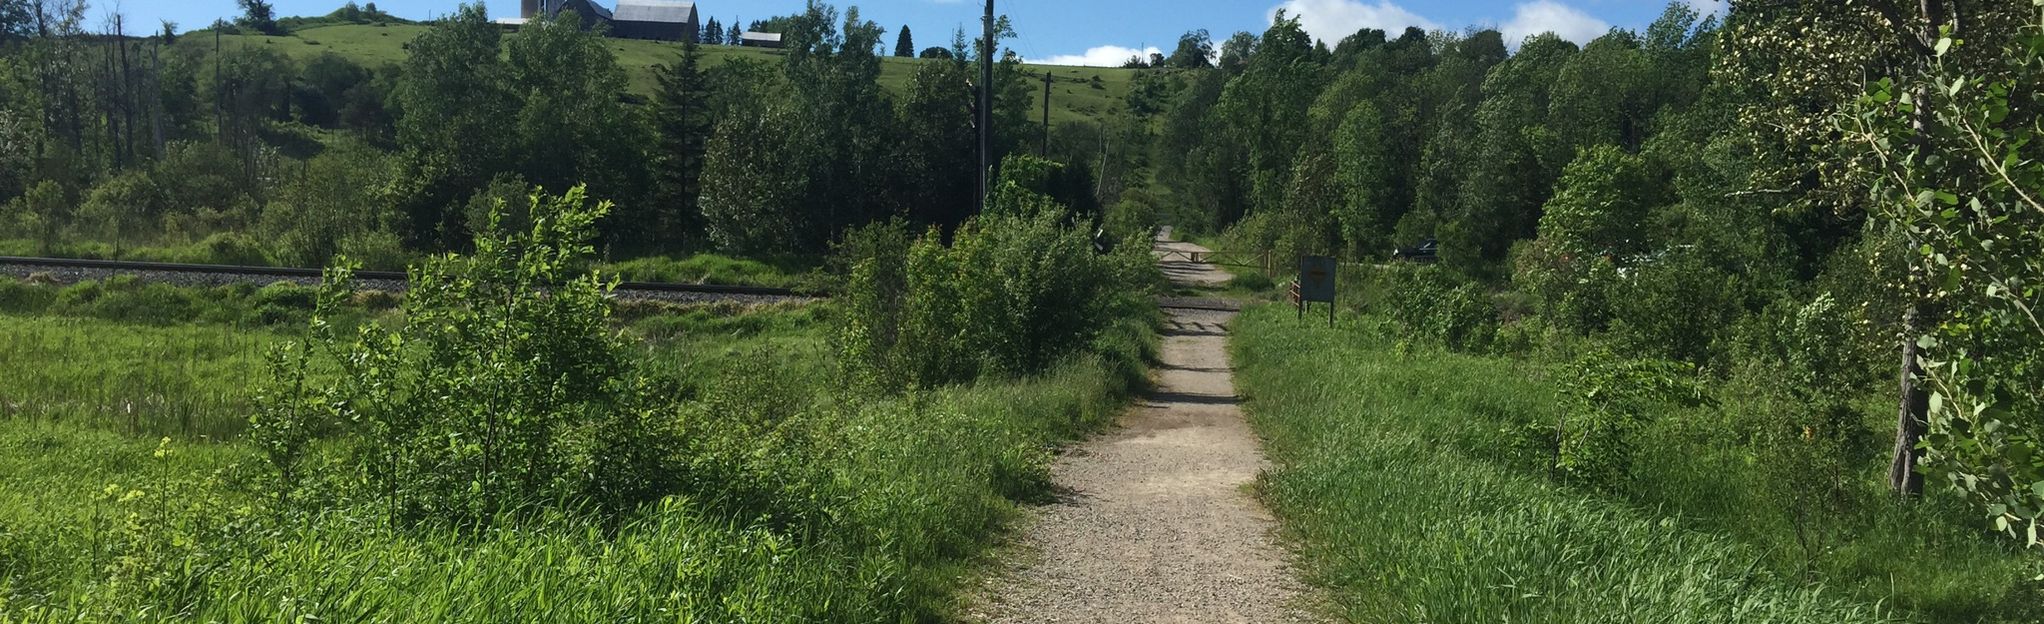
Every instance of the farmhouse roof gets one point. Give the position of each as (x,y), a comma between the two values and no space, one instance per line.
(669,11)
(760,36)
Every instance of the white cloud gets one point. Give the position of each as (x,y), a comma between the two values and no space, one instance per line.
(1545,16)
(1334,20)
(1102,56)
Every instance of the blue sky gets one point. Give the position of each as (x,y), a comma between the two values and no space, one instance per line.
(1065,31)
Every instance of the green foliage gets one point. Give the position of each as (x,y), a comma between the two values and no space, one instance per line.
(1608,400)
(1675,305)
(1427,303)
(1388,469)
(507,354)
(1262,117)
(683,120)
(1600,205)
(259,16)
(456,100)
(336,203)
(121,206)
(1135,216)
(1569,290)
(572,125)
(937,159)
(755,182)
(718,269)
(1955,163)
(44,212)
(1015,291)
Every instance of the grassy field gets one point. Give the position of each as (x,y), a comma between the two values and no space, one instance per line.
(1077,93)
(1398,480)
(113,508)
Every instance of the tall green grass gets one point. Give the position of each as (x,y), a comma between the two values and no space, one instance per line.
(186,381)
(721,270)
(898,497)
(1397,479)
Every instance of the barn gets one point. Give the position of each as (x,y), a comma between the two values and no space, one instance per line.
(591,12)
(752,39)
(657,20)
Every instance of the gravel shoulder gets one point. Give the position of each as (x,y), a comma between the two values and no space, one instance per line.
(1156,522)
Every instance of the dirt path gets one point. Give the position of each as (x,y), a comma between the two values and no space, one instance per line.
(1156,522)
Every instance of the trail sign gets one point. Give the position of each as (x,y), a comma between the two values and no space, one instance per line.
(1316,283)
(1316,278)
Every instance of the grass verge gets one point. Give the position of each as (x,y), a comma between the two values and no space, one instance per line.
(1395,476)
(895,498)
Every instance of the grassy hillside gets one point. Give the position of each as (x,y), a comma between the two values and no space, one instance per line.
(1074,94)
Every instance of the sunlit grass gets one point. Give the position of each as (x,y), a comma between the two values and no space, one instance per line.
(1078,94)
(100,524)
(1397,480)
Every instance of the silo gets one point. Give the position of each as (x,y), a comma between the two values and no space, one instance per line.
(528,9)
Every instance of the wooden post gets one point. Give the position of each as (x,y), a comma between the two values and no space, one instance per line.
(1046,115)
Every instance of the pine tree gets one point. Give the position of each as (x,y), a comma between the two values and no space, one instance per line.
(682,117)
(737,36)
(905,45)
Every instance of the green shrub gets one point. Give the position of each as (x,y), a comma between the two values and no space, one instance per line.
(1427,303)
(79,295)
(508,354)
(152,303)
(377,251)
(282,303)
(1014,292)
(1607,400)
(1676,307)
(1569,290)
(229,248)
(17,297)
(709,269)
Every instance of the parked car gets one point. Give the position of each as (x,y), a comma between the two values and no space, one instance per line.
(1428,251)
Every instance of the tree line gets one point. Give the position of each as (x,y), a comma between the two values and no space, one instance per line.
(1861,173)
(133,140)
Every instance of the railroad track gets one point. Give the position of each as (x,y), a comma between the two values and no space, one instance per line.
(67,271)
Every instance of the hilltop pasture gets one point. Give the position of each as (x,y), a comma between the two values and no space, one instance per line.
(1087,94)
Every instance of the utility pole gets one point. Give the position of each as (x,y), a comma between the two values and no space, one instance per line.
(1046,115)
(986,109)
(219,119)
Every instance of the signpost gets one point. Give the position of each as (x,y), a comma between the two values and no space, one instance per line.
(1316,283)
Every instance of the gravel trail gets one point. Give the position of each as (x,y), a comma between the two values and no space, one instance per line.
(1156,523)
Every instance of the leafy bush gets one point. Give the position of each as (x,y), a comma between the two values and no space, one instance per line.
(283,302)
(1135,215)
(1954,157)
(1799,367)
(1607,400)
(1016,290)
(505,389)
(21,298)
(1676,307)
(1569,290)
(1427,303)
(331,204)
